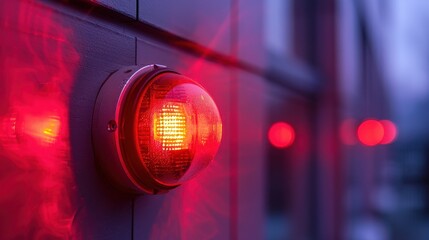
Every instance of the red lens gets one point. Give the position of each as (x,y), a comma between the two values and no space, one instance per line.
(177,128)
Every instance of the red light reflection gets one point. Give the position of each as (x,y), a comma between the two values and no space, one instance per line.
(43,129)
(37,65)
(390,132)
(281,135)
(370,132)
(347,132)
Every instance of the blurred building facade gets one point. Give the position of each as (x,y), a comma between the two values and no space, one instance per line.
(322,66)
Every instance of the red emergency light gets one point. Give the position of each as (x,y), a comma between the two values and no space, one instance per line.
(372,132)
(281,135)
(154,128)
(390,132)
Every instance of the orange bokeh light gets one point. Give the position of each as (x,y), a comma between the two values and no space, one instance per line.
(281,135)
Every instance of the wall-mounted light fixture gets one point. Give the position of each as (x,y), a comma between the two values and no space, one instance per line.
(154,129)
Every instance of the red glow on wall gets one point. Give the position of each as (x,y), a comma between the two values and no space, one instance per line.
(281,135)
(390,132)
(37,66)
(347,132)
(43,130)
(370,132)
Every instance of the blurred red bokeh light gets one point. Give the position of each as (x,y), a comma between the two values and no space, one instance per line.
(281,135)
(370,132)
(390,132)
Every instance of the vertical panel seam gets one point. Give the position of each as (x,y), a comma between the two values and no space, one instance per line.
(234,185)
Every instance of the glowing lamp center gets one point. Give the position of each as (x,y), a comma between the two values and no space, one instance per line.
(170,127)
